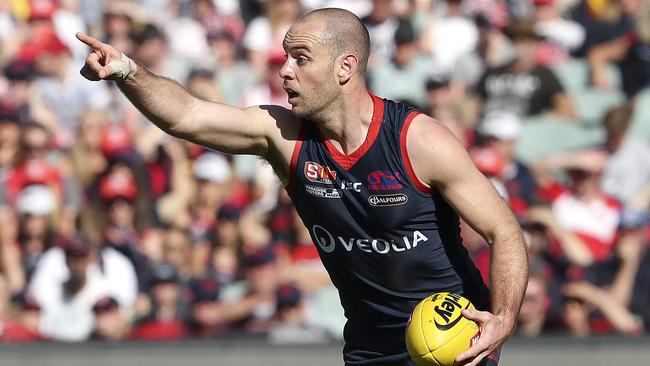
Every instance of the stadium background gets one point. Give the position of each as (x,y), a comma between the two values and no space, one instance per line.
(112,231)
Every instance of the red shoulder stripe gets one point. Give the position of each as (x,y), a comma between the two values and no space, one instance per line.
(405,156)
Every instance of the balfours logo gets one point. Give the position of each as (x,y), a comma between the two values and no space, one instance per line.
(388,199)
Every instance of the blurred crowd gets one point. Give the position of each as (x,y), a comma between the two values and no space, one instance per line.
(111,229)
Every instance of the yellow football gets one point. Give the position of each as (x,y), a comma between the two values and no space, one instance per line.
(437,331)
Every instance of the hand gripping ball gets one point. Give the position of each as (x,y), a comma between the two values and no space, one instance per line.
(437,331)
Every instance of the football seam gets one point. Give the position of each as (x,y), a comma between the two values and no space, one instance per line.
(424,337)
(450,339)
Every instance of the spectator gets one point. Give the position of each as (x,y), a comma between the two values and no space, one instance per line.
(451,37)
(118,192)
(31,166)
(448,106)
(233,75)
(627,48)
(582,217)
(211,172)
(523,87)
(31,235)
(150,48)
(69,280)
(24,327)
(265,33)
(492,164)
(225,265)
(611,303)
(214,22)
(269,90)
(9,149)
(382,23)
(492,50)
(219,256)
(532,316)
(207,312)
(177,251)
(627,174)
(110,323)
(262,277)
(165,320)
(200,83)
(407,66)
(603,21)
(60,89)
(291,326)
(120,19)
(500,131)
(86,155)
(14,102)
(567,35)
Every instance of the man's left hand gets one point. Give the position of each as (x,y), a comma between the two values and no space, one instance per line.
(494,332)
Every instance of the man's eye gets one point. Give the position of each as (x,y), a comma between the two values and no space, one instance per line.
(302,60)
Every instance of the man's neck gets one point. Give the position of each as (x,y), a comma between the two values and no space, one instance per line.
(521,66)
(347,122)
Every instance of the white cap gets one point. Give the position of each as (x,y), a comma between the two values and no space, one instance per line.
(36,199)
(501,125)
(212,167)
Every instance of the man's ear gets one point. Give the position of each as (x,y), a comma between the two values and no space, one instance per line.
(348,66)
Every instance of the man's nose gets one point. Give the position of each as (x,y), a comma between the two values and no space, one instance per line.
(285,71)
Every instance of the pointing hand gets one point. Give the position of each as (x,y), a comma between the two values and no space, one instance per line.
(105,61)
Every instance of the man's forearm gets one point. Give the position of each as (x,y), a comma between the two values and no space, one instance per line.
(508,274)
(164,101)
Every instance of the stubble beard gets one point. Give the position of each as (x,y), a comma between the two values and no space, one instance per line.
(319,106)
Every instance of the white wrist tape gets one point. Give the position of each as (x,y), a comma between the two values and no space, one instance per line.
(124,68)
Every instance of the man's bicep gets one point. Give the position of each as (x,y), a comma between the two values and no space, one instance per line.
(230,129)
(442,162)
(475,199)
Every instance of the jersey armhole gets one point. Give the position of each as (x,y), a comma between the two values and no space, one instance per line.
(294,159)
(405,157)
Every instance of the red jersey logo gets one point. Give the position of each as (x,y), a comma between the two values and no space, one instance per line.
(384,180)
(319,174)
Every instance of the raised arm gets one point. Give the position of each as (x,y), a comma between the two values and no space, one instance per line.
(167,104)
(440,161)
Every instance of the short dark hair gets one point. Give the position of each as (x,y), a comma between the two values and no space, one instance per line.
(346,34)
(617,120)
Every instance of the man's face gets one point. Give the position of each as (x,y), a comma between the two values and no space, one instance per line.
(121,212)
(582,180)
(165,293)
(109,324)
(504,146)
(533,304)
(308,73)
(34,226)
(35,142)
(263,279)
(525,49)
(77,265)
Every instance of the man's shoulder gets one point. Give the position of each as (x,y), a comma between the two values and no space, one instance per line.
(500,69)
(542,71)
(283,120)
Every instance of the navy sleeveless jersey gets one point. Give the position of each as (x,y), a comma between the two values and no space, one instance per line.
(385,239)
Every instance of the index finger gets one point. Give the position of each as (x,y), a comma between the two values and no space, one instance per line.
(473,351)
(90,41)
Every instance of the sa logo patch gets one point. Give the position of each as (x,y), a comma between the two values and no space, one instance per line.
(319,174)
